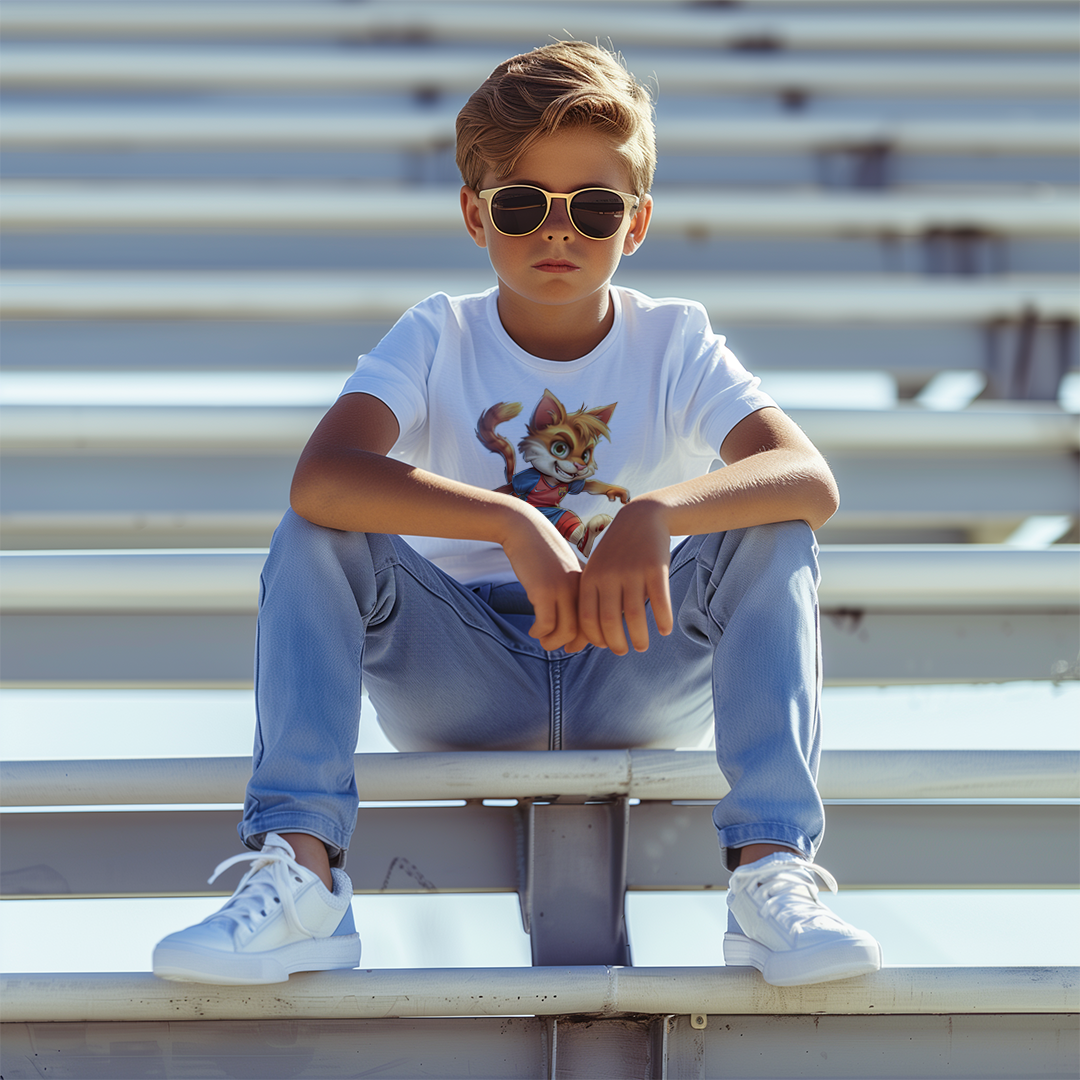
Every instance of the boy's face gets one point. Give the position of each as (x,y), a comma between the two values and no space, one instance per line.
(556,264)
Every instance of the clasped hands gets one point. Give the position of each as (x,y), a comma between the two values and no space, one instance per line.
(605,602)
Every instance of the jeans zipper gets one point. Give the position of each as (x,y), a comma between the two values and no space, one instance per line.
(555,679)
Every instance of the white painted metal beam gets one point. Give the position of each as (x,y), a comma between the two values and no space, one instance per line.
(904,428)
(60,205)
(923,578)
(537,991)
(905,577)
(640,774)
(111,128)
(222,581)
(900,135)
(867,299)
(154,428)
(1043,31)
(212,429)
(56,529)
(403,70)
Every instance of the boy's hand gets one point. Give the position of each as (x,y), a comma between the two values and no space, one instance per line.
(628,569)
(550,572)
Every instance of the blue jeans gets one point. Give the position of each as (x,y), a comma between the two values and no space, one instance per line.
(452,668)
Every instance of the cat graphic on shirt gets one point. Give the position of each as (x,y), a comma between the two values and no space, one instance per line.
(560,449)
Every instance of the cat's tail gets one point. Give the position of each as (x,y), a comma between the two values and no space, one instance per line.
(491,440)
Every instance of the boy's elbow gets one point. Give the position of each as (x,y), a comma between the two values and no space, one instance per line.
(307,495)
(299,500)
(827,501)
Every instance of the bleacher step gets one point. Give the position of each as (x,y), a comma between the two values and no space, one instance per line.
(54,205)
(987,577)
(510,774)
(1040,31)
(866,299)
(600,991)
(227,128)
(395,69)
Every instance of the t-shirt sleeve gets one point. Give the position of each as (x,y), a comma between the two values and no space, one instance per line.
(523,482)
(396,370)
(714,391)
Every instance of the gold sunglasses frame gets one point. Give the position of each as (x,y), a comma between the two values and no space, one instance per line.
(631,203)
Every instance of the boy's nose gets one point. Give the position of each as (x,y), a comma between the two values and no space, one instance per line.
(558,220)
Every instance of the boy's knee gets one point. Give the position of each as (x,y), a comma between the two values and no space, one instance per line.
(296,531)
(782,533)
(298,542)
(781,550)
(788,541)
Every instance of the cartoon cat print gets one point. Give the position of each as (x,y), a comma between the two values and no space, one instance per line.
(560,449)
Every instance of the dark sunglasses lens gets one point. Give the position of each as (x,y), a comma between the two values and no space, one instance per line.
(597,213)
(518,210)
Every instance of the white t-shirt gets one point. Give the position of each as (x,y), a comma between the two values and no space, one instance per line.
(661,392)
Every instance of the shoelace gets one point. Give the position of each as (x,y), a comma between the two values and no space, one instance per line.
(260,894)
(780,888)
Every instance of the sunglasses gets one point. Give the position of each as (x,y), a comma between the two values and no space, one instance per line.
(520,209)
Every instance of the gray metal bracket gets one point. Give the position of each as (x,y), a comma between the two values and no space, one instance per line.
(1028,358)
(965,251)
(572,880)
(861,165)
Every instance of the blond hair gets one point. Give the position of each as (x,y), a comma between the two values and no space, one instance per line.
(569,84)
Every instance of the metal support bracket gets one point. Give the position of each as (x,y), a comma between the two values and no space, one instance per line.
(964,251)
(572,880)
(861,165)
(553,1057)
(1028,358)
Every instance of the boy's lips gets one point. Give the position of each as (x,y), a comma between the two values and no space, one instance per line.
(555,266)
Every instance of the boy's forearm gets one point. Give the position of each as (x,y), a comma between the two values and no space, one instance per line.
(775,485)
(362,491)
(773,473)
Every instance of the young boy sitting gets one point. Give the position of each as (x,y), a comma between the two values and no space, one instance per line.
(596,587)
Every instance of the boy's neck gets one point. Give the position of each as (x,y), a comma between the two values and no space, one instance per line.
(557,332)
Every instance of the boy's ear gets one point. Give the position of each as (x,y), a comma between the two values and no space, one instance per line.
(639,226)
(474,218)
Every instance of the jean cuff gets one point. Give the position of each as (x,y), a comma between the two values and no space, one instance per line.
(253,832)
(733,837)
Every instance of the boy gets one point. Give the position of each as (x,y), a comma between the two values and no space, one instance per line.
(557,575)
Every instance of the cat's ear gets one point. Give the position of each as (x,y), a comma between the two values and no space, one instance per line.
(604,414)
(549,411)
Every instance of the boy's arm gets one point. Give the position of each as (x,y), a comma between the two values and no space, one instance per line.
(773,473)
(344,480)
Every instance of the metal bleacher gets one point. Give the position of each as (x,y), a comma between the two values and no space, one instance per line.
(210,208)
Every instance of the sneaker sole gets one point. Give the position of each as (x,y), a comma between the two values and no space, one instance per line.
(194,964)
(821,963)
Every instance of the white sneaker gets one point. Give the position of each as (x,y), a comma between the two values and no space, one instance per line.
(787,933)
(281,919)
